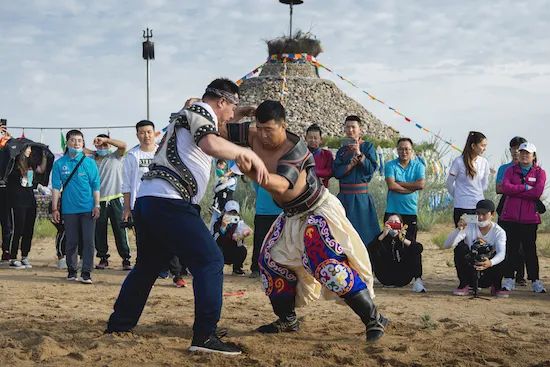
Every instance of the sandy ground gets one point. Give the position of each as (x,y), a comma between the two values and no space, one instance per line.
(48,321)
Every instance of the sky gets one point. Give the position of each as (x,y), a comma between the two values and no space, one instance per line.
(452,66)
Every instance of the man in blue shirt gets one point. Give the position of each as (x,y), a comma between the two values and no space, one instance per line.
(266,213)
(404,177)
(80,204)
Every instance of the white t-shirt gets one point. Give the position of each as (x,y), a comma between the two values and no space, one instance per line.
(467,191)
(135,165)
(193,157)
(495,237)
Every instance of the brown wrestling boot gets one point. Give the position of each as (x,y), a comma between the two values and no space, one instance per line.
(362,305)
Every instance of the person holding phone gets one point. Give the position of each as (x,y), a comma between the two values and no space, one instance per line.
(229,233)
(354,166)
(395,259)
(469,176)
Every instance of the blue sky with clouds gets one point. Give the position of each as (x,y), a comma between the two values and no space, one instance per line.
(452,66)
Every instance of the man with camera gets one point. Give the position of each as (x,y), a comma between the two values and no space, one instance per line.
(479,251)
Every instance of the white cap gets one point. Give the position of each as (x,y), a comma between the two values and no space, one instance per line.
(530,147)
(232,205)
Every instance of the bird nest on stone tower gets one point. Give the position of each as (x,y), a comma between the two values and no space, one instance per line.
(301,42)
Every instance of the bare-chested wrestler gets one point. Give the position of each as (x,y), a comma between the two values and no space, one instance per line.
(312,243)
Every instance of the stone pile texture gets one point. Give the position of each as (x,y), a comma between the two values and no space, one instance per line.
(310,99)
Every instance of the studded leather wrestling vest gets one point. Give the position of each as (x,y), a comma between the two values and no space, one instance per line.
(296,160)
(167,164)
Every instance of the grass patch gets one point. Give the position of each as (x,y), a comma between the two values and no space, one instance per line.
(43,228)
(427,322)
(439,239)
(543,246)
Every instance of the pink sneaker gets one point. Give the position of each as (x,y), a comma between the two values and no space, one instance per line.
(462,291)
(501,293)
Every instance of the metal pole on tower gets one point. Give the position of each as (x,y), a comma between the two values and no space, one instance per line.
(148,54)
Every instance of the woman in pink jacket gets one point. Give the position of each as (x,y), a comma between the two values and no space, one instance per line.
(523,184)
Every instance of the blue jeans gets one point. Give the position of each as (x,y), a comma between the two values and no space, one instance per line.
(164,228)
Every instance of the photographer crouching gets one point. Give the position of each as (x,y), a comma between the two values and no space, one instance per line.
(479,251)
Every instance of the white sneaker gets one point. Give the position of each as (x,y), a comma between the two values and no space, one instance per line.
(418,286)
(26,262)
(538,287)
(509,284)
(62,263)
(16,264)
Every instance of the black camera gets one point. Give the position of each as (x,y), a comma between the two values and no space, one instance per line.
(129,224)
(481,251)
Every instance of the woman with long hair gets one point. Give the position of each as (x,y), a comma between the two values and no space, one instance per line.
(469,176)
(523,184)
(23,205)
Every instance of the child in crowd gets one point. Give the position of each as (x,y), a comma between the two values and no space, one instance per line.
(229,232)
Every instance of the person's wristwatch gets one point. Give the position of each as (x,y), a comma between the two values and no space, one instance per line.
(97,206)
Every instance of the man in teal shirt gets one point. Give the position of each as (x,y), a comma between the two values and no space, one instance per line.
(404,177)
(266,213)
(80,204)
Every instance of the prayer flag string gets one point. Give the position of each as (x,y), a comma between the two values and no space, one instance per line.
(309,58)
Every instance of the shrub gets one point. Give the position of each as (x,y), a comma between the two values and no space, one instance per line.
(43,228)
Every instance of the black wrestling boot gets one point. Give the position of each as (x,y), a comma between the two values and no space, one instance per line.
(287,322)
(362,305)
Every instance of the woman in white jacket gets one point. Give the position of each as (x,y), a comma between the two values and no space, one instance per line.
(469,176)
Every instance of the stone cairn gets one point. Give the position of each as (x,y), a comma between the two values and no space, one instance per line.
(309,99)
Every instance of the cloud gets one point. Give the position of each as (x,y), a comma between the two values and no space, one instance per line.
(453,66)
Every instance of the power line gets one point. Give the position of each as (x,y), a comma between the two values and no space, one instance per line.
(70,127)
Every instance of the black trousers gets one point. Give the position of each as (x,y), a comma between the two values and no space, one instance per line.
(467,274)
(176,267)
(5,220)
(262,224)
(411,221)
(515,259)
(111,211)
(234,255)
(389,271)
(524,236)
(23,230)
(457,213)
